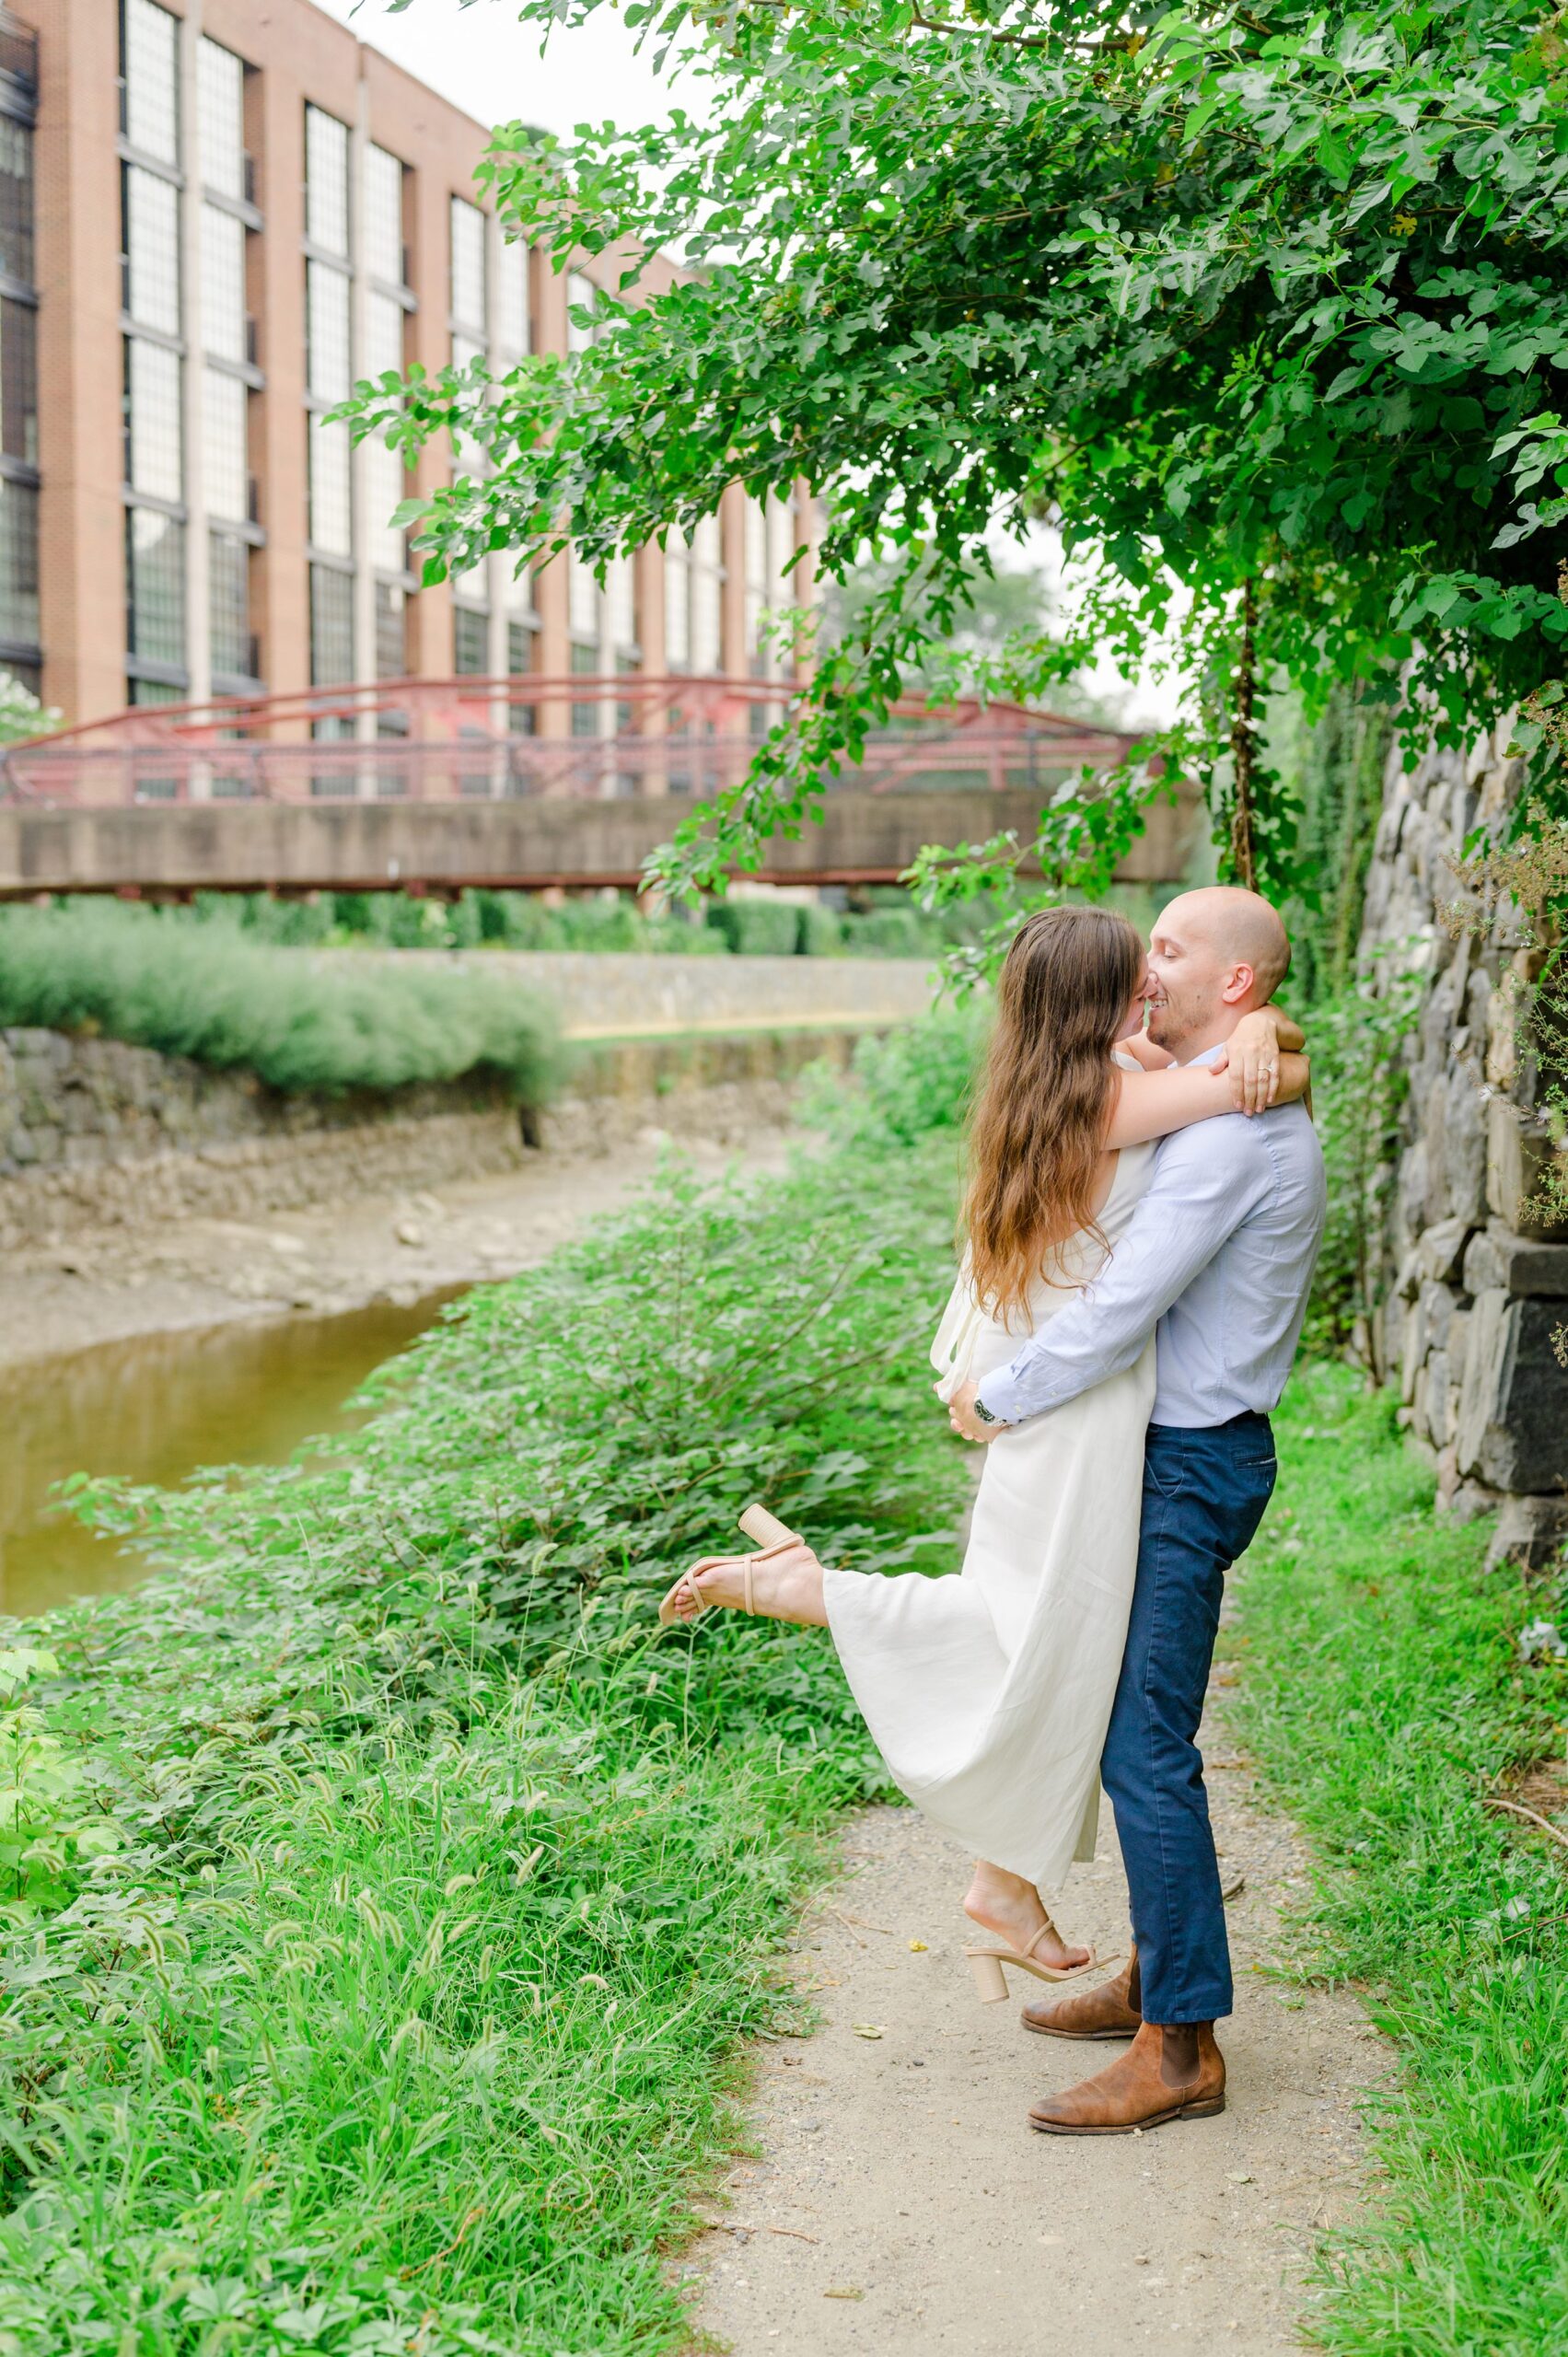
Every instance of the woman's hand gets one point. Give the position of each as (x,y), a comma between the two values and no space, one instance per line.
(1251,1057)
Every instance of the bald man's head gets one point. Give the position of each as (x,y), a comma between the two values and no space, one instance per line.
(1214,955)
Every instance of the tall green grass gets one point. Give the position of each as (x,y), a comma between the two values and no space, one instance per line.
(404,2015)
(1384,1693)
(204,990)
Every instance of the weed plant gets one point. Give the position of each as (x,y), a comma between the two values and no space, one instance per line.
(193,990)
(1385,1694)
(402,2015)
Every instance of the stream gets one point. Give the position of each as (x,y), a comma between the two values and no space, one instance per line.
(159,1407)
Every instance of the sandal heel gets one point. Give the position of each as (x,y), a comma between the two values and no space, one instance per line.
(989,1980)
(765,1527)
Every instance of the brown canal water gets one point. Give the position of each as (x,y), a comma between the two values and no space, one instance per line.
(156,1408)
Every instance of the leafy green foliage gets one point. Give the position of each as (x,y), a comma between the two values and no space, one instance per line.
(1334,770)
(50,1831)
(916,1083)
(757,928)
(1359,1082)
(21,713)
(1266,305)
(404,2017)
(194,989)
(487,919)
(1384,1695)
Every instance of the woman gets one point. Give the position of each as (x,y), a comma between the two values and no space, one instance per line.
(988,1692)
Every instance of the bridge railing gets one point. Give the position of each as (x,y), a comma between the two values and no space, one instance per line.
(576,738)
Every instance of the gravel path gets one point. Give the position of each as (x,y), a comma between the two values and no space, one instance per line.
(897,2200)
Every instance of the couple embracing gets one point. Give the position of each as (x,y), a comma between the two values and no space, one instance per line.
(1144,1205)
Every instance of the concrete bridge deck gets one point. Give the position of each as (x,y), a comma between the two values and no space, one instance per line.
(525,844)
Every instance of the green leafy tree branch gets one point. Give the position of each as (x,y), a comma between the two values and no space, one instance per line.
(1265,305)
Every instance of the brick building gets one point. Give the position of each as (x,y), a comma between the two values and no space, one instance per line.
(214,216)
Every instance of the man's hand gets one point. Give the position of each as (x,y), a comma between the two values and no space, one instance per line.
(962,1417)
(1251,1056)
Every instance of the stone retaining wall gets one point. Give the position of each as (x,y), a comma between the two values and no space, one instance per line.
(1478,1283)
(95,1133)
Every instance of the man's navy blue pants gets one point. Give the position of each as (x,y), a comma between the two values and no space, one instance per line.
(1204,1492)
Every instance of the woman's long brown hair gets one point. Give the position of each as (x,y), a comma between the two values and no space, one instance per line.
(1038,1130)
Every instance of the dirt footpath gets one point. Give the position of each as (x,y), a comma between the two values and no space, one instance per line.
(899,2202)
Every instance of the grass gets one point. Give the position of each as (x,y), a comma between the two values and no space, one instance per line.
(203,990)
(1384,1694)
(389,1904)
(404,2014)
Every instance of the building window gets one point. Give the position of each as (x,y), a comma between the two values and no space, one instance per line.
(385,485)
(678,602)
(224,320)
(620,603)
(18,381)
(328,373)
(152,82)
(150,210)
(16,198)
(585,717)
(391,655)
(522,719)
(707,597)
(155,586)
(514,313)
(19,562)
(326,182)
(471,642)
(226,477)
(220,111)
(468,312)
(580,297)
(383,334)
(332,510)
(228,601)
(144,691)
(153,440)
(756,536)
(582,599)
(383,215)
(332,627)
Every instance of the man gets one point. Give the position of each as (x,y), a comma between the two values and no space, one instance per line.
(1218,1258)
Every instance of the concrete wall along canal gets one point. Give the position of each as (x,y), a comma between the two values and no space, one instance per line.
(95,1132)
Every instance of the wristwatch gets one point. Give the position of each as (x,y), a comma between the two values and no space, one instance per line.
(983,1413)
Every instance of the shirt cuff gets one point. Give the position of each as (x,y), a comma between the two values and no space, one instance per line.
(998,1396)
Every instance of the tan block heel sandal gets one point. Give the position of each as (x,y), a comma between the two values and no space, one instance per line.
(991,1979)
(774,1538)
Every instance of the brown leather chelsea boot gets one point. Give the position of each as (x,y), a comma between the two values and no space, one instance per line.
(1113,2010)
(1143,2089)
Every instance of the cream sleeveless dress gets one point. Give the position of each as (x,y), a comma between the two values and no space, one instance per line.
(988,1691)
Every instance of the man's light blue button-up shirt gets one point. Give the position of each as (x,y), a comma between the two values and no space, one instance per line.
(1218,1255)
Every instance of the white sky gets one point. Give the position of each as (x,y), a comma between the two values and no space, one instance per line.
(480,59)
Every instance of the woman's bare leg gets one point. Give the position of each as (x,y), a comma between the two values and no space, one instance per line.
(1013,1909)
(788,1586)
